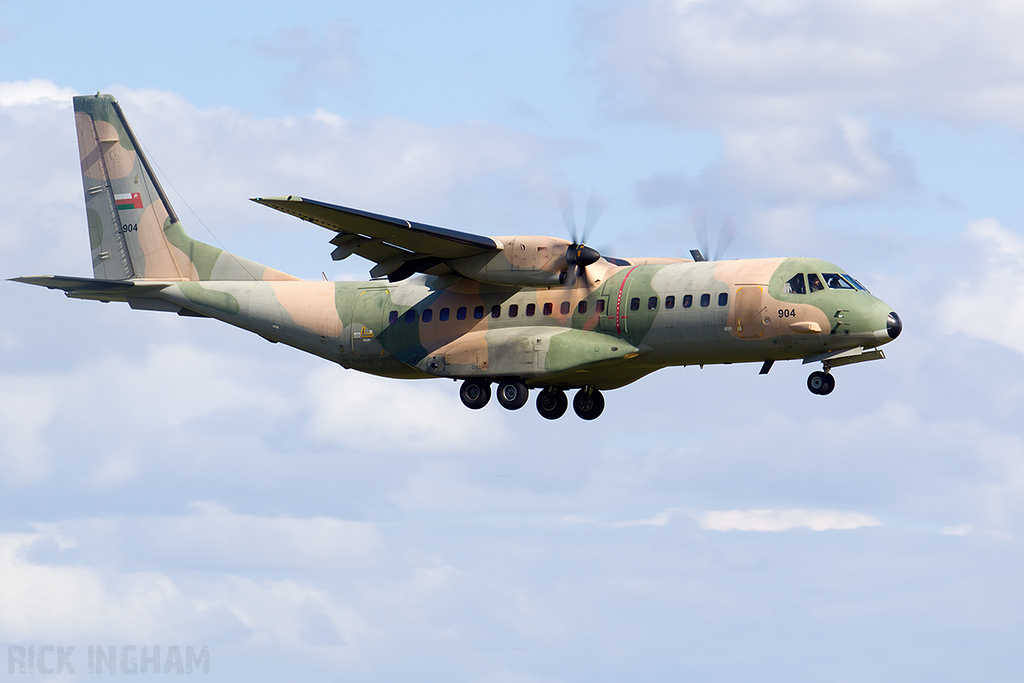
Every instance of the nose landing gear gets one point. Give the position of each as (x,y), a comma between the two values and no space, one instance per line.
(821,383)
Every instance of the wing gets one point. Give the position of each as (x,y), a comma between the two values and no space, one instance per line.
(398,247)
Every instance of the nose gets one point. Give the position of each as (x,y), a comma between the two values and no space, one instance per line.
(893,325)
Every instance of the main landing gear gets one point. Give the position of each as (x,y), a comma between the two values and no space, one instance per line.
(551,401)
(821,383)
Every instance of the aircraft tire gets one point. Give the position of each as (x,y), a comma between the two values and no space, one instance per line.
(552,403)
(821,383)
(475,393)
(588,403)
(513,394)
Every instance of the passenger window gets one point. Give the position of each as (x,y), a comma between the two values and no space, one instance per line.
(428,315)
(513,310)
(723,299)
(705,300)
(392,317)
(478,312)
(652,303)
(548,308)
(794,285)
(531,310)
(410,315)
(443,314)
(581,307)
(814,283)
(495,311)
(688,301)
(836,281)
(670,301)
(461,313)
(599,306)
(566,306)
(634,304)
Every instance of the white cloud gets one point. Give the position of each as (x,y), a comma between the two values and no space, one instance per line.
(747,62)
(371,414)
(35,91)
(783,520)
(802,92)
(214,537)
(984,298)
(27,406)
(73,602)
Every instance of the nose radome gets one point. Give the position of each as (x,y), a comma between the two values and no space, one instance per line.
(893,325)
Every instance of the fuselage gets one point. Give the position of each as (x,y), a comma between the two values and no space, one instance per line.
(625,322)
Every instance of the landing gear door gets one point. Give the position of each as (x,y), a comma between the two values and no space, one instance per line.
(748,314)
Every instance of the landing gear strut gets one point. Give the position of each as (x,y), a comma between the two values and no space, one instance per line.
(475,393)
(552,403)
(821,383)
(588,403)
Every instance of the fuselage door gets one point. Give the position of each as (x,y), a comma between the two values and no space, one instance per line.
(368,321)
(748,320)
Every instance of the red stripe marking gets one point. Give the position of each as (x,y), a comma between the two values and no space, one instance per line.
(618,303)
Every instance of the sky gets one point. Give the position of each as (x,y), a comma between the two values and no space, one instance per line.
(179,484)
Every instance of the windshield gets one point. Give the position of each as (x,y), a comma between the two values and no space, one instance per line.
(814,283)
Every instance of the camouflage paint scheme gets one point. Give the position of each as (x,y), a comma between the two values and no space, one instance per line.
(620,320)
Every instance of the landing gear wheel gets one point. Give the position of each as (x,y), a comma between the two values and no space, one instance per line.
(513,394)
(821,383)
(475,393)
(588,403)
(552,403)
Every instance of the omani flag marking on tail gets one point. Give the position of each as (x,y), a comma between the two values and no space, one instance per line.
(128,201)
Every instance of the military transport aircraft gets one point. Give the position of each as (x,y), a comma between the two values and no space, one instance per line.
(522,312)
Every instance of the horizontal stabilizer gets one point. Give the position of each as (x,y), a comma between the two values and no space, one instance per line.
(89,288)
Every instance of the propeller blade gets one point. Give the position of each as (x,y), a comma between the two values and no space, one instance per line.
(595,207)
(568,213)
(725,237)
(700,226)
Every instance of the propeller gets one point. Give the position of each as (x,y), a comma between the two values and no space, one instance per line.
(726,234)
(578,255)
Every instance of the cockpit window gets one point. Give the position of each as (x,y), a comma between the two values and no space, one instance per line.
(855,282)
(837,281)
(794,285)
(814,282)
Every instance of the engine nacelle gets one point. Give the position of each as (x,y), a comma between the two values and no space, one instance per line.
(527,260)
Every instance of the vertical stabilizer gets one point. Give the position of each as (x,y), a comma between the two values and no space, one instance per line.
(133,230)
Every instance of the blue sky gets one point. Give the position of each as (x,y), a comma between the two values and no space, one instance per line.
(173,482)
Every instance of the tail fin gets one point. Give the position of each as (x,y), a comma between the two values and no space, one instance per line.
(133,230)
